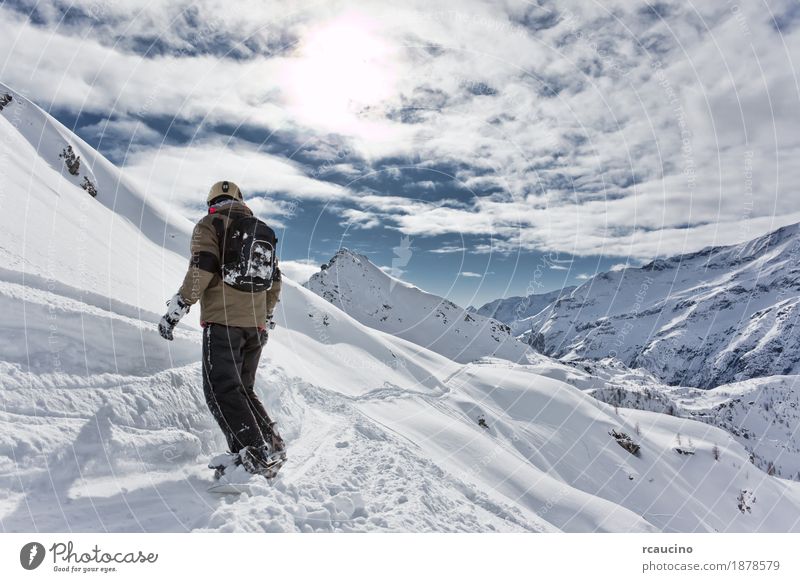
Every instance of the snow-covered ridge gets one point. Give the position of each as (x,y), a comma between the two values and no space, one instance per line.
(351,282)
(720,315)
(511,310)
(118,244)
(49,139)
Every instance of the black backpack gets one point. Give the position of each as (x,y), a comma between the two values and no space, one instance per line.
(247,250)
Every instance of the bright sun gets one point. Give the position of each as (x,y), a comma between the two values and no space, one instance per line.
(343,68)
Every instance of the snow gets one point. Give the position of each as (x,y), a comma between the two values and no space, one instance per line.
(104,425)
(721,315)
(514,311)
(116,246)
(355,285)
(761,414)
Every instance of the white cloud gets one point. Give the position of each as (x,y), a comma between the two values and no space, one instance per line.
(448,249)
(83,74)
(124,130)
(609,130)
(423,185)
(470,274)
(395,272)
(181,175)
(273,211)
(358,218)
(299,271)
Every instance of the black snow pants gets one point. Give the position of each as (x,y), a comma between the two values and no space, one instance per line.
(230,361)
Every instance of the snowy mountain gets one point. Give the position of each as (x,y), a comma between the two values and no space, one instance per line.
(720,315)
(103,425)
(112,242)
(762,414)
(362,290)
(513,309)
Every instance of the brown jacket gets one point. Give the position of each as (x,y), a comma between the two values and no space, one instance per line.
(220,303)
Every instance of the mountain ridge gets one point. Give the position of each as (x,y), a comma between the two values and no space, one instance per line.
(354,284)
(511,310)
(715,316)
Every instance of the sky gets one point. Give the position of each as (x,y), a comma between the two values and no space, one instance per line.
(477,149)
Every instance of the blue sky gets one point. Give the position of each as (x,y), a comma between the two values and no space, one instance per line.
(476,149)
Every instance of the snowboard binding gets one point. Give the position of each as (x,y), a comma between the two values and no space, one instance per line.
(257,461)
(264,461)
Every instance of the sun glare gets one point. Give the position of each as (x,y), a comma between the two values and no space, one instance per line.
(342,68)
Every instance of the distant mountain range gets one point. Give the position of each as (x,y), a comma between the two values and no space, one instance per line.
(720,315)
(514,310)
(703,319)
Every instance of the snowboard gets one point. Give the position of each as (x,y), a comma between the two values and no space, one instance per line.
(224,487)
(235,481)
(231,478)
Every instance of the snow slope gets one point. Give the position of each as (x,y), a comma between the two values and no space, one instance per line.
(114,245)
(362,290)
(762,414)
(104,427)
(720,315)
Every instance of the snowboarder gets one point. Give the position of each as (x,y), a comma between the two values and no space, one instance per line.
(233,272)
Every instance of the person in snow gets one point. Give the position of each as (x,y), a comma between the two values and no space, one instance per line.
(233,272)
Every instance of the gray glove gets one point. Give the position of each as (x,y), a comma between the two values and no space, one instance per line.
(176,308)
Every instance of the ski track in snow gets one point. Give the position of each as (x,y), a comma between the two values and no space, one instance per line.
(345,473)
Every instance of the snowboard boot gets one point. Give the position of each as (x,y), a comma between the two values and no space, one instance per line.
(275,441)
(262,460)
(223,462)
